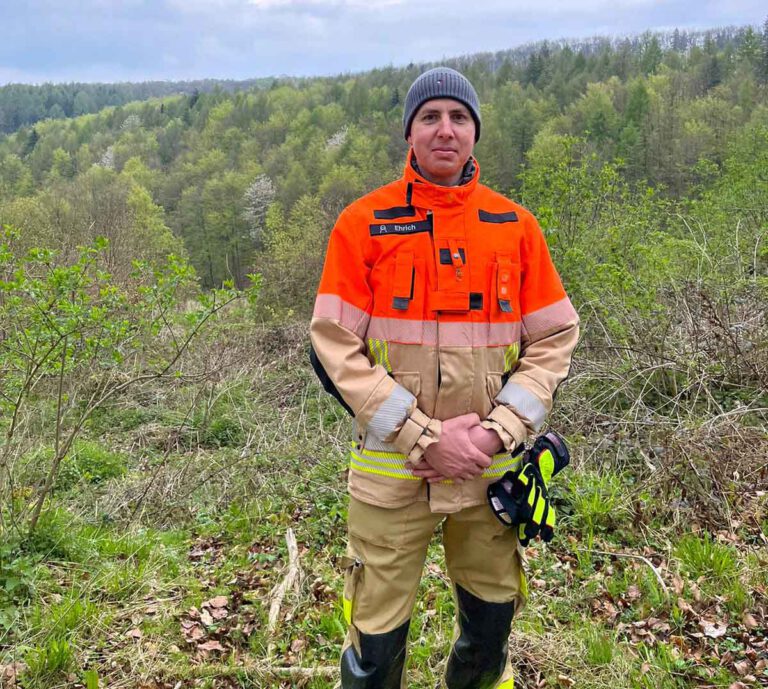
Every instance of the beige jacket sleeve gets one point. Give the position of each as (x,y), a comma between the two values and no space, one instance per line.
(550,332)
(337,331)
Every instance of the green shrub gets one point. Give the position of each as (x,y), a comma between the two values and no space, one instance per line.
(89,462)
(17,575)
(223,431)
(598,500)
(53,658)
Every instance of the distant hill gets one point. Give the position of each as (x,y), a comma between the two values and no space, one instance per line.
(25,104)
(251,177)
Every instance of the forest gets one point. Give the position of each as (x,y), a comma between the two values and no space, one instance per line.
(172,475)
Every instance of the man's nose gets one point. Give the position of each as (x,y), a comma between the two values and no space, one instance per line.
(446,126)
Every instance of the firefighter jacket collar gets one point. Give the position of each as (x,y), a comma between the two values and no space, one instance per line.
(422,193)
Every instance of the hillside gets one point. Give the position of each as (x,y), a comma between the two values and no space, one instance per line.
(161,430)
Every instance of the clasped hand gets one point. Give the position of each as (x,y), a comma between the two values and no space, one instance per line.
(463,451)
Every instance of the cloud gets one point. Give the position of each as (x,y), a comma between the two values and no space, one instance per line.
(110,40)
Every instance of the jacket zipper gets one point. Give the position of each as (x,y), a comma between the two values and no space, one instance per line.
(437,314)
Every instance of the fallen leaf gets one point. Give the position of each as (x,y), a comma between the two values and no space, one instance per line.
(298,645)
(749,621)
(684,605)
(219,613)
(645,668)
(216,602)
(11,672)
(696,593)
(713,630)
(738,685)
(211,645)
(194,634)
(205,618)
(743,667)
(565,681)
(678,641)
(134,633)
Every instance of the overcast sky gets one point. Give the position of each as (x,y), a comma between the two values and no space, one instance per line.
(137,40)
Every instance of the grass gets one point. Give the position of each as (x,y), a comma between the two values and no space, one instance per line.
(178,497)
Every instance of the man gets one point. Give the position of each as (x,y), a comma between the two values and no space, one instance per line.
(442,326)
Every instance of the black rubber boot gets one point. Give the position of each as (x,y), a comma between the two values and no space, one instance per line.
(381,663)
(479,655)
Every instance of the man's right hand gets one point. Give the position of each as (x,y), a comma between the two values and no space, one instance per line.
(454,455)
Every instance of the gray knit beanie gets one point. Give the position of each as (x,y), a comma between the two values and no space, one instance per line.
(440,82)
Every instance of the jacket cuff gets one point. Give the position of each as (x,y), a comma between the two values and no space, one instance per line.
(508,425)
(418,432)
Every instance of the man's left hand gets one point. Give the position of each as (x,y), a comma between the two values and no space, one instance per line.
(454,456)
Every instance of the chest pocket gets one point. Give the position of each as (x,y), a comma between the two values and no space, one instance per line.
(408,284)
(505,287)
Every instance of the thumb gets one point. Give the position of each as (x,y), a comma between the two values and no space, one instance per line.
(478,456)
(467,420)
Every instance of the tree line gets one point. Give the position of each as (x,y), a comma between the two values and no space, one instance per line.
(253,180)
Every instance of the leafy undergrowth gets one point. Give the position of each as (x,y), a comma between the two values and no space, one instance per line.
(162,572)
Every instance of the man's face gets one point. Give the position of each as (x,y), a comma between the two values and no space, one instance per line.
(442,136)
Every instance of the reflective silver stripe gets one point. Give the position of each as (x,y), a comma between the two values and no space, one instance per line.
(546,320)
(525,403)
(451,333)
(391,414)
(350,316)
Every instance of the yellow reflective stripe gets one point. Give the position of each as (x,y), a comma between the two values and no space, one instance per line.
(385,455)
(385,354)
(380,351)
(510,356)
(494,472)
(382,468)
(507,684)
(347,605)
(374,351)
(395,464)
(506,464)
(392,462)
(381,472)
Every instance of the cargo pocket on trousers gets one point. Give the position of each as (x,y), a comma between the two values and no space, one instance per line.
(353,569)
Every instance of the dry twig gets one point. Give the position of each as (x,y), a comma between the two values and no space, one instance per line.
(288,582)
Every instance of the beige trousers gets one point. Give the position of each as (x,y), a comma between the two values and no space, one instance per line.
(386,553)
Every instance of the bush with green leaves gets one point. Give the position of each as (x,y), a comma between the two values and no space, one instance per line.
(72,339)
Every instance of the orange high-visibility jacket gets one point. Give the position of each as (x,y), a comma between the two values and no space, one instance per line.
(436,302)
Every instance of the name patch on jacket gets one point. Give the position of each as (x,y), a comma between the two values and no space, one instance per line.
(377,229)
(487,216)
